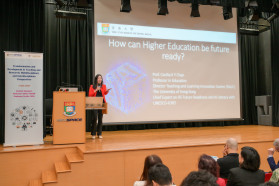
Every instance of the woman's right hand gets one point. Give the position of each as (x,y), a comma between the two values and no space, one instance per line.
(98,88)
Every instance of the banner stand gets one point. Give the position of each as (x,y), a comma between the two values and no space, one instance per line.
(23,98)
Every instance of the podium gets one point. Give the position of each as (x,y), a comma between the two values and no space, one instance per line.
(96,103)
(68,117)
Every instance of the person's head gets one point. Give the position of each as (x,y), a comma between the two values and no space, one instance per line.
(209,164)
(249,159)
(159,175)
(276,144)
(98,80)
(199,178)
(231,145)
(149,162)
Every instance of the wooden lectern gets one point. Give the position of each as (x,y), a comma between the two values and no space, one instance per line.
(68,117)
(96,103)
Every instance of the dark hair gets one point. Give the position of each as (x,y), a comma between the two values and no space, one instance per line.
(160,174)
(149,162)
(209,164)
(269,184)
(251,159)
(95,83)
(199,178)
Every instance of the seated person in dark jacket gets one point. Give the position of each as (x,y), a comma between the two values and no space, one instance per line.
(270,158)
(230,159)
(248,174)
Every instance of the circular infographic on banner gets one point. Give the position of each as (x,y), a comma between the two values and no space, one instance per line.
(24,118)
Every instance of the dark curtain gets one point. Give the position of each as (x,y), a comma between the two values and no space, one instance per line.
(249,49)
(275,70)
(21,29)
(68,51)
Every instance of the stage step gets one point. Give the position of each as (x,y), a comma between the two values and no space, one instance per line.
(37,182)
(62,166)
(49,176)
(74,157)
(80,152)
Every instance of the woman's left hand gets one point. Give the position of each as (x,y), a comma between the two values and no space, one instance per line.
(108,90)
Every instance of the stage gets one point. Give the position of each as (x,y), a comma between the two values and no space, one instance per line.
(118,158)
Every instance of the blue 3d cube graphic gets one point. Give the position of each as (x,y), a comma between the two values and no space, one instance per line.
(128,85)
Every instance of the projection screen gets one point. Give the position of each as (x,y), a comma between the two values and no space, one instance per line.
(169,68)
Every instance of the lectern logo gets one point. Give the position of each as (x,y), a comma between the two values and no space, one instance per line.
(69,108)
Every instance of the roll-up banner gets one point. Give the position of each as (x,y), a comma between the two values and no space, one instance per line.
(23,98)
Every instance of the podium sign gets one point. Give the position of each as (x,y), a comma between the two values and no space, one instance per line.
(68,117)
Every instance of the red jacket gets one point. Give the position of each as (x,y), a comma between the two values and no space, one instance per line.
(92,92)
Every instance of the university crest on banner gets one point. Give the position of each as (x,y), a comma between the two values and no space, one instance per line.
(69,108)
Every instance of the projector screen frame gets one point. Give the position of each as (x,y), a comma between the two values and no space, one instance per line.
(174,121)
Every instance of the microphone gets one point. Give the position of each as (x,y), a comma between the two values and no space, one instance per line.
(99,86)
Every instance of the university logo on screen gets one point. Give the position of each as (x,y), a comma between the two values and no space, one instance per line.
(105,28)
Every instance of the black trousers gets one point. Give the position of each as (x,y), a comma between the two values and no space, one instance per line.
(97,114)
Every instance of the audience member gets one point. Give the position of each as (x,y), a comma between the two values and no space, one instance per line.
(148,162)
(270,158)
(159,175)
(248,174)
(230,158)
(199,178)
(209,164)
(275,176)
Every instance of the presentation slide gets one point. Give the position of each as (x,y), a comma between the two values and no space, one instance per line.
(169,68)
